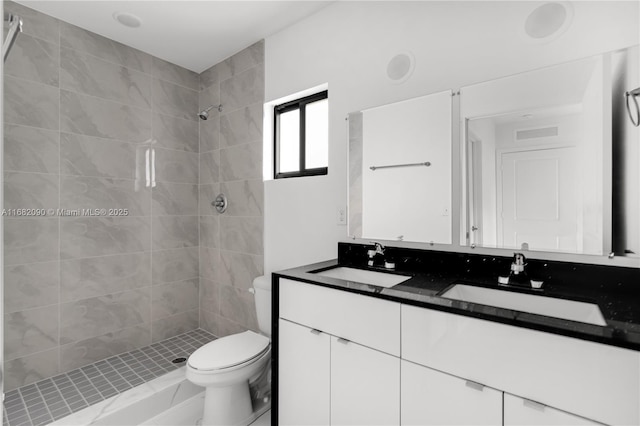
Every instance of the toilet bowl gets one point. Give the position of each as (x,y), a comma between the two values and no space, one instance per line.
(225,366)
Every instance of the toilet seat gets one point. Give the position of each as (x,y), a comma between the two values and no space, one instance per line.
(228,352)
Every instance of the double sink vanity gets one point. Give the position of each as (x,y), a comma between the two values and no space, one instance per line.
(438,341)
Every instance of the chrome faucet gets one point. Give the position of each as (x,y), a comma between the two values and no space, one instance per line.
(518,276)
(378,250)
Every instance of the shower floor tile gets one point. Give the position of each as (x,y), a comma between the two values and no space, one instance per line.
(42,402)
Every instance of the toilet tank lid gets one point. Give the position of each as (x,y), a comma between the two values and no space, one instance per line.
(228,351)
(263,282)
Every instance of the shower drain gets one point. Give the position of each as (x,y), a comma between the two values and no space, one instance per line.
(179,360)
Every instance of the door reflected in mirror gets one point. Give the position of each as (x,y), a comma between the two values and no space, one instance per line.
(536,156)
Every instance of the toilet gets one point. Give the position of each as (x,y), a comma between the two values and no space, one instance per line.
(225,366)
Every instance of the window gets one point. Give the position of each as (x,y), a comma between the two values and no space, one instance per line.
(301,139)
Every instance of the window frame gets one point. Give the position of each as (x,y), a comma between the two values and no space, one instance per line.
(298,104)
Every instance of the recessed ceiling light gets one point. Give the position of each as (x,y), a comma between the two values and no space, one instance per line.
(127,19)
(548,21)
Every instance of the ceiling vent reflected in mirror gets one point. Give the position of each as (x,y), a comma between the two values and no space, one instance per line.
(548,21)
(400,67)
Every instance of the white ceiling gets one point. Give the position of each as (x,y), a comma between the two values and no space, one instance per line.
(192,34)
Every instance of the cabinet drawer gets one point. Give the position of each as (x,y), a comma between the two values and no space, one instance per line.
(431,397)
(368,321)
(520,412)
(593,380)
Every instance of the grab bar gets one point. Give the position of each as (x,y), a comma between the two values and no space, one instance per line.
(633,94)
(426,163)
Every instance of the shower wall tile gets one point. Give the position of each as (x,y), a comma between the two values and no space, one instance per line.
(243,89)
(209,231)
(31,368)
(239,269)
(99,236)
(174,73)
(34,59)
(89,75)
(174,298)
(85,41)
(100,276)
(246,58)
(175,133)
(209,167)
(172,326)
(178,101)
(28,149)
(93,116)
(79,192)
(248,197)
(31,104)
(209,295)
(30,240)
(209,77)
(242,234)
(238,306)
(208,97)
(175,199)
(30,285)
(81,353)
(97,316)
(90,156)
(36,24)
(219,325)
(241,162)
(207,194)
(175,265)
(30,331)
(210,265)
(241,126)
(209,134)
(170,232)
(176,166)
(231,163)
(30,191)
(114,106)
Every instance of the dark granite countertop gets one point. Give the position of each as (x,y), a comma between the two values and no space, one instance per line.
(618,298)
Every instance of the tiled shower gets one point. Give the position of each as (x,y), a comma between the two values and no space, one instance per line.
(92,124)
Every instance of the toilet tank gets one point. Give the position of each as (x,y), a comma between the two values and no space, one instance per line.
(262,286)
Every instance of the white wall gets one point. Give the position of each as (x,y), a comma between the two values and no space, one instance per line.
(348,44)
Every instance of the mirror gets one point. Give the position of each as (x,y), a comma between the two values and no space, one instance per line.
(400,171)
(549,163)
(537,150)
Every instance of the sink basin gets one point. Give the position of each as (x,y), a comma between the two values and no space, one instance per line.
(380,279)
(552,307)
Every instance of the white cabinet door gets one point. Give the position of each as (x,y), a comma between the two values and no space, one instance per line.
(519,411)
(303,375)
(430,397)
(365,385)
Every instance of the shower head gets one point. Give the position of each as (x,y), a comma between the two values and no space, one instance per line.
(204,114)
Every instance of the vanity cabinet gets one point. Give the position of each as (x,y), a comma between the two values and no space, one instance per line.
(304,378)
(519,411)
(365,385)
(347,358)
(338,357)
(430,397)
(591,380)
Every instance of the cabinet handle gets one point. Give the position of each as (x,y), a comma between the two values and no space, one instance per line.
(533,404)
(474,385)
(343,341)
(315,331)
